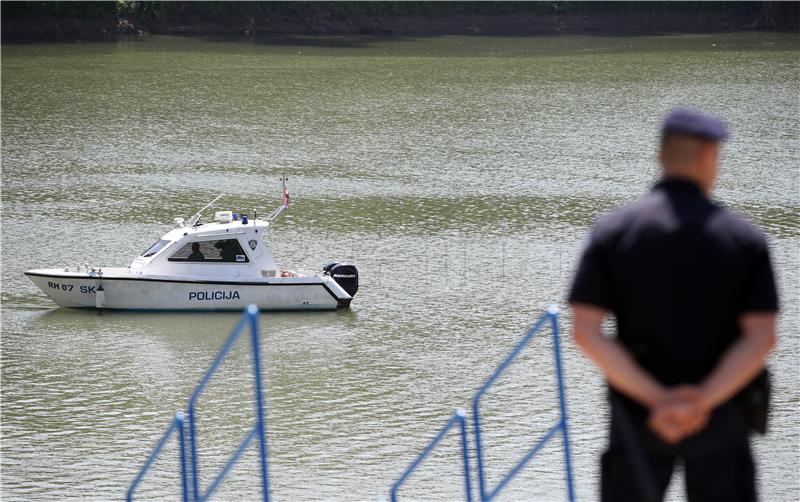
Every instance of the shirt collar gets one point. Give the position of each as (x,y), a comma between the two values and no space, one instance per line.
(679,185)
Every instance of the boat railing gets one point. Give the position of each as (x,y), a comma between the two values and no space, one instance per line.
(486,493)
(189,465)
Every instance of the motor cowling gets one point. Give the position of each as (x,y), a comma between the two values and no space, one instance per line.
(344,274)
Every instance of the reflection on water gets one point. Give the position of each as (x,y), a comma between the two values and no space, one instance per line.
(458,173)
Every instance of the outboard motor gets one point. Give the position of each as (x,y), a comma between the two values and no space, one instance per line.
(344,274)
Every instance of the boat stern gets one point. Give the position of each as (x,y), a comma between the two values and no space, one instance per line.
(344,277)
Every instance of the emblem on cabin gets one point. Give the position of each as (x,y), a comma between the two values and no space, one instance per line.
(253,243)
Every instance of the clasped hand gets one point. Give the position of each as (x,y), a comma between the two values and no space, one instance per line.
(679,414)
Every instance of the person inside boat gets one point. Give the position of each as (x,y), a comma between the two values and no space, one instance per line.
(228,249)
(196,254)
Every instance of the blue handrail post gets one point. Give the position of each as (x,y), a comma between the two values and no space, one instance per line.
(252,312)
(194,460)
(462,426)
(460,417)
(552,316)
(476,403)
(562,402)
(190,475)
(180,421)
(193,453)
(478,456)
(177,425)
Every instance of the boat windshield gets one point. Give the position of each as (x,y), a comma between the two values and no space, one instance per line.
(155,248)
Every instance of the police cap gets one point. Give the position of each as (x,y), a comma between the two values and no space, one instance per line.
(694,123)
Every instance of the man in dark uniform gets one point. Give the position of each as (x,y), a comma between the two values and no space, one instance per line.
(196,254)
(692,290)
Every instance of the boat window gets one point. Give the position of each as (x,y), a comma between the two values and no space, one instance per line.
(155,248)
(217,251)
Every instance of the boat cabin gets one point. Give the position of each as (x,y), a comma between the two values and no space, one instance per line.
(228,248)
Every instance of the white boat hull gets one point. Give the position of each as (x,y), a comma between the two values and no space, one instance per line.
(124,291)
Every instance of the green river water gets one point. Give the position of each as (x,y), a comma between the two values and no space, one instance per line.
(460,174)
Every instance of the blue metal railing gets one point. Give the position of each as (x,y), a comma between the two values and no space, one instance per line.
(561,426)
(176,426)
(189,465)
(190,472)
(460,417)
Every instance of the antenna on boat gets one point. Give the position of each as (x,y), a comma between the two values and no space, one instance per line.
(194,219)
(285,205)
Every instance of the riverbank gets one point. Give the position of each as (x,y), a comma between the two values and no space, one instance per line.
(31,20)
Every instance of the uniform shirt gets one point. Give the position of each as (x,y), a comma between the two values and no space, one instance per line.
(677,271)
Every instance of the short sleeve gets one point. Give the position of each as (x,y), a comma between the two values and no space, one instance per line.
(760,294)
(592,284)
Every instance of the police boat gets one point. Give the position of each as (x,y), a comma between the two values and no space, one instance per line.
(224,264)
